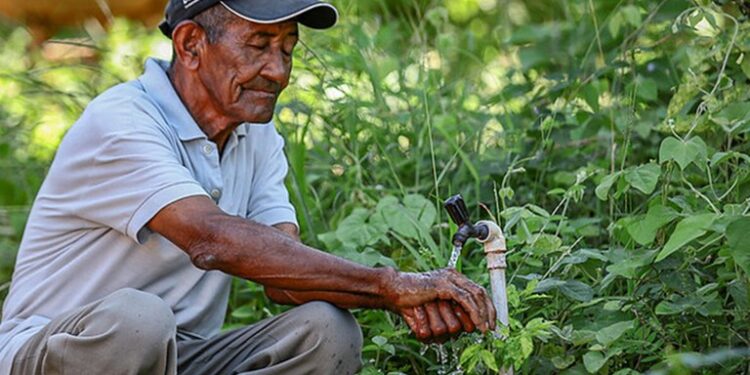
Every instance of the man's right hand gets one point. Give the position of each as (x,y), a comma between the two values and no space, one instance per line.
(440,303)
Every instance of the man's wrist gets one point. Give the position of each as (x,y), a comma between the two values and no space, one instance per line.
(387,277)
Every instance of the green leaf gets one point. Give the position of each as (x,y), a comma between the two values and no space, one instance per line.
(421,209)
(687,230)
(628,263)
(610,334)
(244,312)
(593,361)
(683,153)
(411,219)
(647,90)
(644,231)
(355,230)
(379,340)
(470,357)
(602,190)
(577,290)
(562,363)
(644,177)
(546,243)
(489,360)
(632,15)
(739,246)
(733,116)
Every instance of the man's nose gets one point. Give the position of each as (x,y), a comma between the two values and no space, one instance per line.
(277,68)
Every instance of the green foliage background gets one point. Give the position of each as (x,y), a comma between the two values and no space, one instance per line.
(608,138)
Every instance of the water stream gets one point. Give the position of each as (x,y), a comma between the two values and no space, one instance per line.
(454,256)
(447,363)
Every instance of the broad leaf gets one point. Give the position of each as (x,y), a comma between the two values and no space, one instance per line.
(572,289)
(733,116)
(687,230)
(739,246)
(683,153)
(644,231)
(644,177)
(577,290)
(602,190)
(628,263)
(610,334)
(593,361)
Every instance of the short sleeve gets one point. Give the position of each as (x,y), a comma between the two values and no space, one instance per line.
(269,201)
(122,173)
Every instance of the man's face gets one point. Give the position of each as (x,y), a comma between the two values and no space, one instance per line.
(247,67)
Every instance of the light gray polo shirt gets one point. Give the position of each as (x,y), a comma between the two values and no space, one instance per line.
(135,150)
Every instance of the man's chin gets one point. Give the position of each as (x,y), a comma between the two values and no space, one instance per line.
(260,117)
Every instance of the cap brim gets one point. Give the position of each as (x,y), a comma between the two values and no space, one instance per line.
(311,13)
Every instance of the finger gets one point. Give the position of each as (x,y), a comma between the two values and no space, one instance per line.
(491,311)
(437,325)
(465,300)
(479,296)
(460,293)
(463,317)
(423,324)
(449,317)
(410,319)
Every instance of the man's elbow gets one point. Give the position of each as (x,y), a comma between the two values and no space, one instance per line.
(204,249)
(206,261)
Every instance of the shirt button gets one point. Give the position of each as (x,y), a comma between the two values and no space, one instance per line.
(207,149)
(216,193)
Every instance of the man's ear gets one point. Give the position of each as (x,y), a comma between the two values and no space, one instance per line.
(189,40)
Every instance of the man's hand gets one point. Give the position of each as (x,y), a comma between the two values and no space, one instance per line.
(437,321)
(433,295)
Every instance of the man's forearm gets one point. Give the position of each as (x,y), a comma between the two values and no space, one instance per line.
(340,299)
(270,257)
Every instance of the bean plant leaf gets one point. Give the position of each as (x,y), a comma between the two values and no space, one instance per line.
(489,360)
(734,116)
(572,289)
(644,231)
(628,263)
(410,219)
(739,246)
(593,361)
(644,177)
(421,209)
(687,230)
(577,290)
(610,334)
(602,190)
(683,153)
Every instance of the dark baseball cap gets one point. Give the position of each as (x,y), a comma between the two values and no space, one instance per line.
(311,13)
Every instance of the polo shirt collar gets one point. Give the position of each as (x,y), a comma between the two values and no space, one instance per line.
(159,87)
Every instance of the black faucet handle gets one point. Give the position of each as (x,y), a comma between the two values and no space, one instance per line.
(456,208)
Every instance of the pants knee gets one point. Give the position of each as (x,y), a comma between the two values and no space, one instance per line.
(139,319)
(339,336)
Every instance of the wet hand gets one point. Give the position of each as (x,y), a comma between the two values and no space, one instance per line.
(409,290)
(437,321)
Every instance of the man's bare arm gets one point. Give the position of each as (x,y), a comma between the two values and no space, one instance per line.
(217,241)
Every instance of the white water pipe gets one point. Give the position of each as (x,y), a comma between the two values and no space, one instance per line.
(494,249)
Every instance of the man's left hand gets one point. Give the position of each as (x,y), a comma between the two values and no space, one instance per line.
(437,321)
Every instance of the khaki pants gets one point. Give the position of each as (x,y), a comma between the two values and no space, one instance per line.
(132,332)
